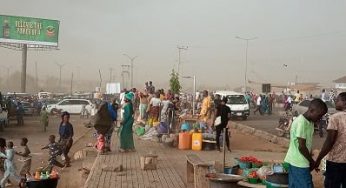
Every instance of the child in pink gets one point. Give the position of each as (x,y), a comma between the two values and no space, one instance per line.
(100,144)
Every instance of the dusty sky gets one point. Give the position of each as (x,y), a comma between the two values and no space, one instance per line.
(309,36)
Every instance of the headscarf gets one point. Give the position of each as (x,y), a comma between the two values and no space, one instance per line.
(129,96)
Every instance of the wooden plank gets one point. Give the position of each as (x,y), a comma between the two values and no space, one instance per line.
(113,177)
(97,173)
(103,173)
(108,173)
(135,178)
(178,182)
(166,181)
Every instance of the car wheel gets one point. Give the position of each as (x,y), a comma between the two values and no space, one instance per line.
(244,118)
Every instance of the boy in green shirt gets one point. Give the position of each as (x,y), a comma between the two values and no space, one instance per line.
(299,151)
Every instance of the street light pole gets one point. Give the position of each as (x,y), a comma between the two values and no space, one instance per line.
(179,55)
(194,92)
(194,95)
(246,52)
(132,60)
(60,68)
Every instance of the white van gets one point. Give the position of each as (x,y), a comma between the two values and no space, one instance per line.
(237,102)
(73,106)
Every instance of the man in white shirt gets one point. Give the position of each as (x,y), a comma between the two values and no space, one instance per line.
(258,105)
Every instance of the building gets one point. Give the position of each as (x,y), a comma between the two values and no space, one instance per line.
(340,83)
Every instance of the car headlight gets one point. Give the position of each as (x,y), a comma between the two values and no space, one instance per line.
(246,108)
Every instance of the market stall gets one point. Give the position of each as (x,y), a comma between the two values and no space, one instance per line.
(42,178)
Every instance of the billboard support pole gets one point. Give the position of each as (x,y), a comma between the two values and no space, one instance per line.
(24,60)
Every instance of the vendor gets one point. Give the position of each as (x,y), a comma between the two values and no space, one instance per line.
(225,113)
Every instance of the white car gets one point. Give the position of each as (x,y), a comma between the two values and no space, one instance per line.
(73,106)
(237,103)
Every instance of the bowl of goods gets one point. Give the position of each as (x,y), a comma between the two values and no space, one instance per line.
(246,162)
(252,178)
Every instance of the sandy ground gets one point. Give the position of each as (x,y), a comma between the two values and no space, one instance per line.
(38,138)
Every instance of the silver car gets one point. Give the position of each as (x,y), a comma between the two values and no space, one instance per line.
(303,106)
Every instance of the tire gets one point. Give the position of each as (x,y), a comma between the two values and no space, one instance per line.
(281,133)
(244,118)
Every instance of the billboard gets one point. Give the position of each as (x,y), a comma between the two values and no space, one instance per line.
(26,30)
(113,88)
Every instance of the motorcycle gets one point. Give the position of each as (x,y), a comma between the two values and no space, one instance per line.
(322,125)
(288,106)
(285,122)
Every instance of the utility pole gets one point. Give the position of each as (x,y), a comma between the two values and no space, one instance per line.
(132,59)
(60,68)
(36,76)
(71,84)
(8,69)
(179,55)
(24,60)
(125,71)
(100,79)
(247,46)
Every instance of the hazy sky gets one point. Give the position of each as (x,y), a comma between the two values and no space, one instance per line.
(308,36)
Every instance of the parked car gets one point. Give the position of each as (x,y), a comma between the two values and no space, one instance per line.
(303,106)
(28,108)
(73,106)
(237,102)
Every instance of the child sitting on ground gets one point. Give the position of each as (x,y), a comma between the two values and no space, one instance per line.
(10,170)
(100,144)
(54,151)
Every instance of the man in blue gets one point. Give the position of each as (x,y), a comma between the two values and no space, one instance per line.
(113,112)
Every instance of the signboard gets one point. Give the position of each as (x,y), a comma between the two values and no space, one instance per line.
(266,88)
(113,88)
(25,30)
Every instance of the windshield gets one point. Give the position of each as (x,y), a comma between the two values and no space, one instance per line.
(236,99)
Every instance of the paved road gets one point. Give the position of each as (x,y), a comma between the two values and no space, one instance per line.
(268,123)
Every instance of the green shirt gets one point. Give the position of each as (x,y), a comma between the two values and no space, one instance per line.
(301,128)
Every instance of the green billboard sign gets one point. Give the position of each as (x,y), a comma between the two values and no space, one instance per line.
(26,30)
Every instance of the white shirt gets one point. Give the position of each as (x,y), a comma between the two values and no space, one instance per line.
(289,99)
(258,100)
(122,98)
(155,101)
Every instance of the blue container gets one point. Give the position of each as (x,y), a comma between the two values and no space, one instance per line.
(244,165)
(185,127)
(227,170)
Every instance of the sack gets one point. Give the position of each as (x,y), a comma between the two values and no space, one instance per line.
(140,131)
(217,121)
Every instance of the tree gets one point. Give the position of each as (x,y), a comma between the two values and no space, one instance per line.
(174,82)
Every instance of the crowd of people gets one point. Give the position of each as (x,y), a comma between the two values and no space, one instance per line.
(157,107)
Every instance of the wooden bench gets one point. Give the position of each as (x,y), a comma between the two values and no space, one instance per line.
(196,171)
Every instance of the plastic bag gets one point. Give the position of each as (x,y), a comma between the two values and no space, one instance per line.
(264,171)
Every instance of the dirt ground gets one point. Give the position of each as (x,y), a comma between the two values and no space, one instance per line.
(33,130)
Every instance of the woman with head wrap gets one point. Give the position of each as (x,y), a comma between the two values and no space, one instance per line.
(125,132)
